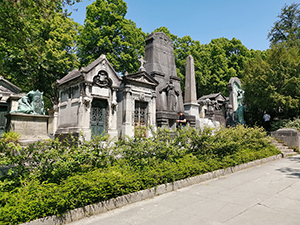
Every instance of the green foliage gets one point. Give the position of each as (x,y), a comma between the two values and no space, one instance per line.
(36,44)
(276,79)
(286,30)
(275,125)
(293,124)
(51,178)
(11,137)
(106,31)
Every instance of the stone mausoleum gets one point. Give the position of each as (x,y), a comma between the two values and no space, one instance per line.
(95,100)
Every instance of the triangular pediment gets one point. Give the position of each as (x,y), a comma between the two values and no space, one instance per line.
(101,64)
(7,87)
(141,77)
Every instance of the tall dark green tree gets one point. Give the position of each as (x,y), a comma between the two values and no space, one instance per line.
(272,81)
(106,31)
(36,43)
(287,28)
(273,84)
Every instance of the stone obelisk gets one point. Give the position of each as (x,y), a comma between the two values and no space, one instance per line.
(190,97)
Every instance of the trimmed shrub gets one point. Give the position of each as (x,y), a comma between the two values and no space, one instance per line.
(51,178)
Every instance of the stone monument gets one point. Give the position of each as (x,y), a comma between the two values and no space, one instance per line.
(190,95)
(160,64)
(29,119)
(212,108)
(236,101)
(9,96)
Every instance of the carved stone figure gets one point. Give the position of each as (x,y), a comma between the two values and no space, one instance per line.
(172,94)
(31,103)
(240,114)
(142,61)
(236,96)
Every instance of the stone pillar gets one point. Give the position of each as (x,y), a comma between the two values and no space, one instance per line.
(190,98)
(53,120)
(112,129)
(152,113)
(127,127)
(190,95)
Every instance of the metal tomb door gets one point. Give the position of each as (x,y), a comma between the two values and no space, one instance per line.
(98,117)
(3,111)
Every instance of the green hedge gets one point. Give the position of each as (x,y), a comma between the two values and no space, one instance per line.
(50,178)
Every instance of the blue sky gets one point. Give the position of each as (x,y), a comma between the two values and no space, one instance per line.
(204,20)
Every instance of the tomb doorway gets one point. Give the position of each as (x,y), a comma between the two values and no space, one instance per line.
(140,117)
(3,111)
(98,117)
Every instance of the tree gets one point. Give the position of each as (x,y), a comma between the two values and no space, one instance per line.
(273,84)
(36,43)
(106,31)
(287,28)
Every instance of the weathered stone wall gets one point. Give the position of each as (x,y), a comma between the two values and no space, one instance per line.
(28,125)
(290,137)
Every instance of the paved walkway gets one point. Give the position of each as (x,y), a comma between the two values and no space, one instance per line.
(268,194)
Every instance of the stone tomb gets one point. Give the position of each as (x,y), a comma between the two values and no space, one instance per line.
(9,96)
(213,108)
(160,64)
(28,119)
(137,97)
(31,127)
(96,101)
(88,100)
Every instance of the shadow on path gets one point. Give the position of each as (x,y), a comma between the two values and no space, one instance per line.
(291,172)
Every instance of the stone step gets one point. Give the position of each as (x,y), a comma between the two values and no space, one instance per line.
(286,154)
(285,150)
(282,147)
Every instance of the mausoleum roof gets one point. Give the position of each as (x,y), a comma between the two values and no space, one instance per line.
(8,87)
(213,96)
(70,76)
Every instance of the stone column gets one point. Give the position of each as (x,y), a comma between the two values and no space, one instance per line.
(112,129)
(152,113)
(128,128)
(190,97)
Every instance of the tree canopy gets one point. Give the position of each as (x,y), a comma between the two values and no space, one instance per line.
(106,31)
(272,80)
(287,28)
(273,84)
(39,44)
(36,43)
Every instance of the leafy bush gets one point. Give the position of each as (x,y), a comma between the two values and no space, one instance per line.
(11,137)
(295,124)
(51,178)
(286,123)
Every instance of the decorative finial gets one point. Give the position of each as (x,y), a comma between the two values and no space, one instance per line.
(142,61)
